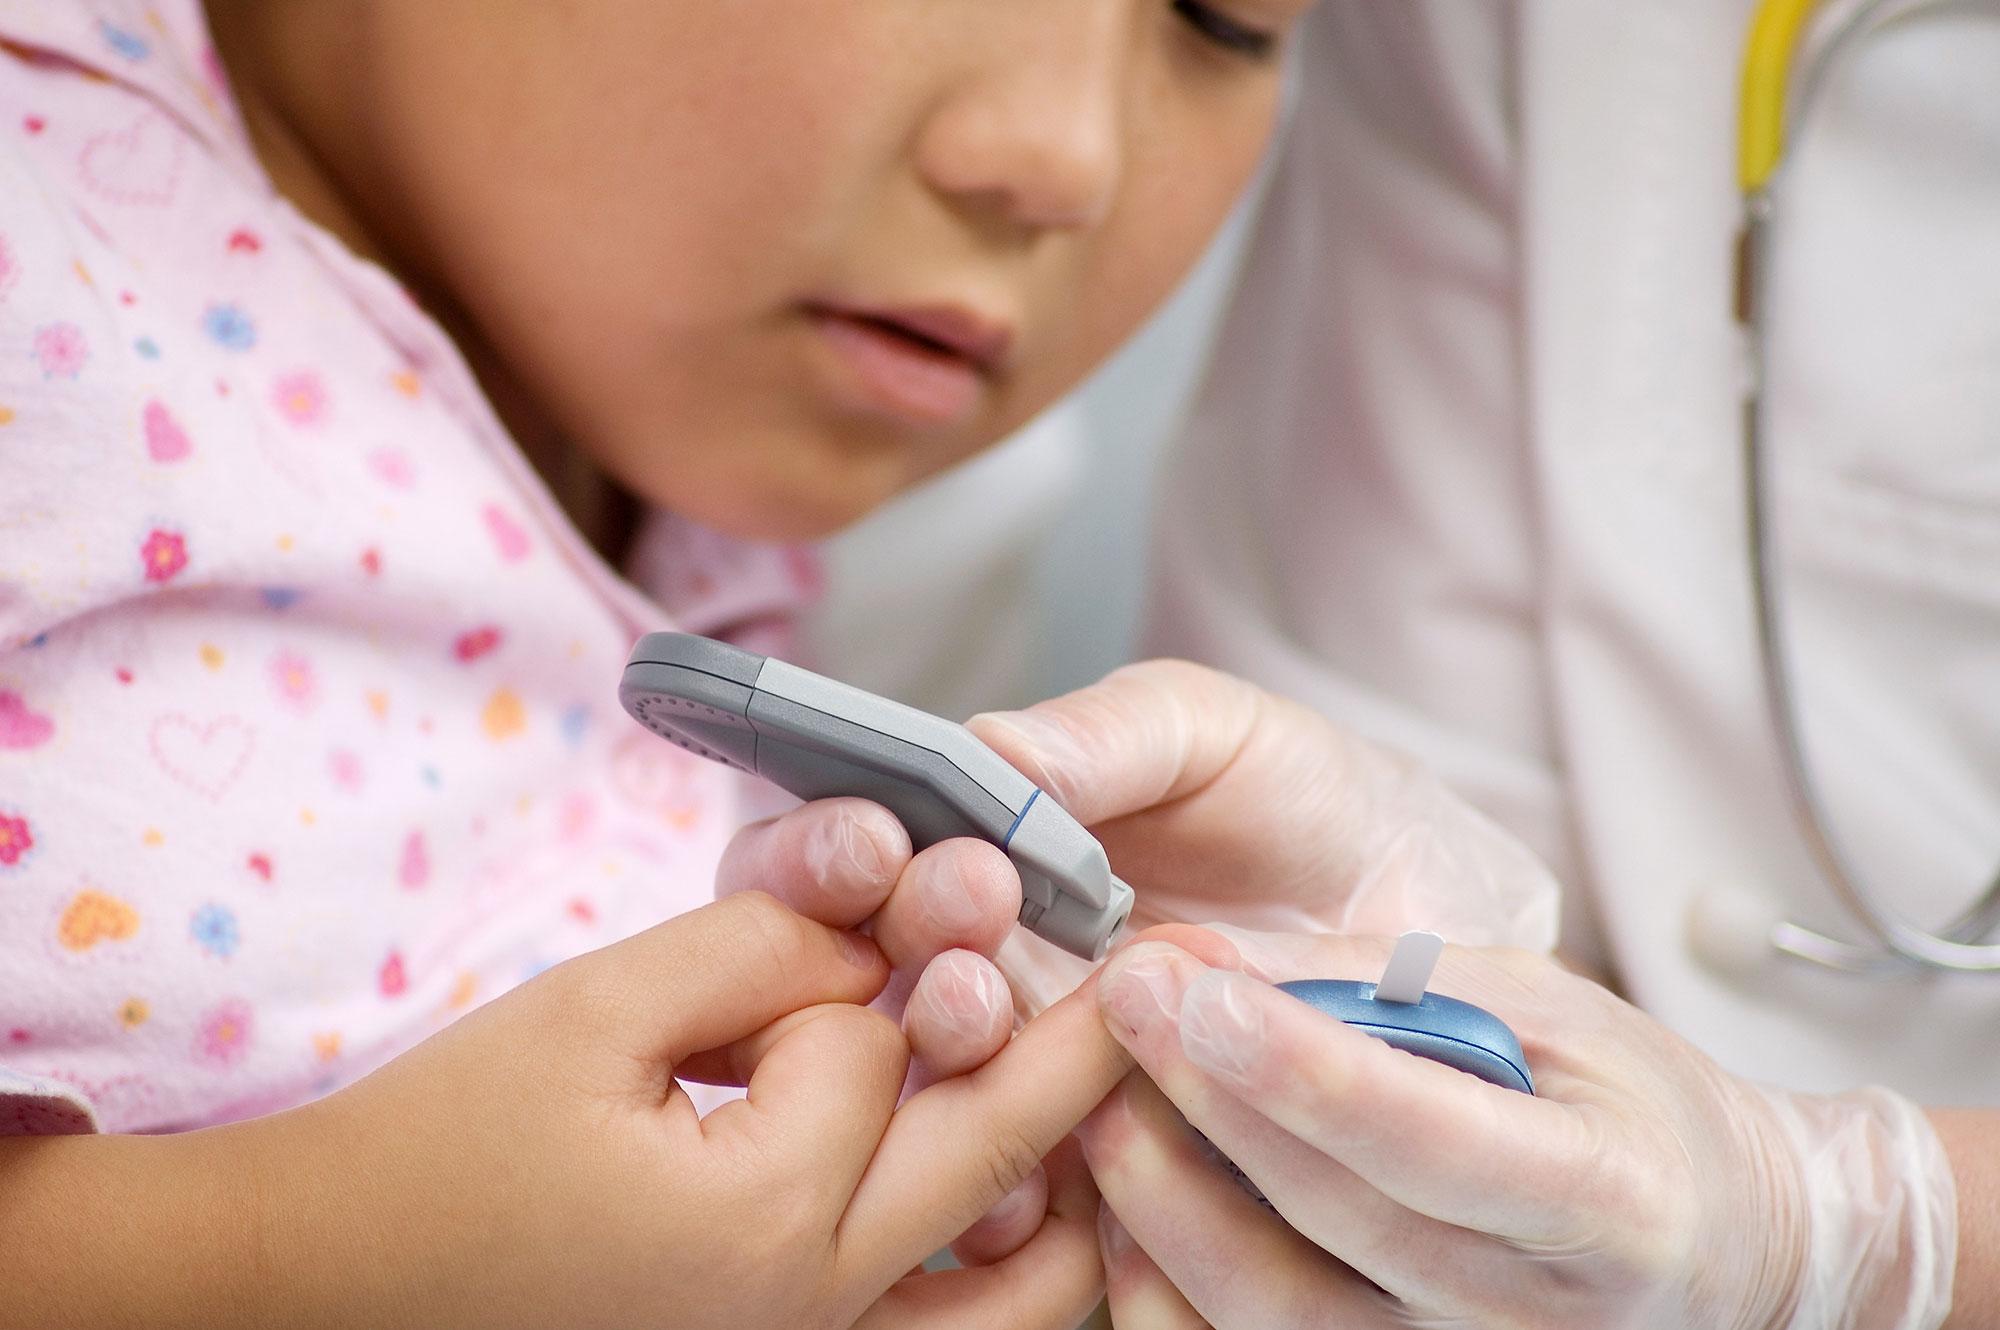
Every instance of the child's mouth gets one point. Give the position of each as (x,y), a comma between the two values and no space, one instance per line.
(927,366)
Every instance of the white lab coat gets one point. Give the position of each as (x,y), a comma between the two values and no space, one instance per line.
(1465,475)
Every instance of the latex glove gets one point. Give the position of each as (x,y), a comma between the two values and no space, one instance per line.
(1642,1187)
(537,1164)
(1219,801)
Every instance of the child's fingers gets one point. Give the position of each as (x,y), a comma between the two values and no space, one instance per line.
(734,1063)
(957,893)
(960,1014)
(1003,1230)
(953,1150)
(820,1094)
(1139,1292)
(1052,1282)
(711,977)
(833,860)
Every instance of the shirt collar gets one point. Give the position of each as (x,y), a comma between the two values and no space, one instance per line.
(160,49)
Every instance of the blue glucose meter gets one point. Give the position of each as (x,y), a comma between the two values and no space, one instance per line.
(1442,1029)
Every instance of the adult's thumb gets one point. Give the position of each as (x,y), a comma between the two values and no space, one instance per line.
(1144,735)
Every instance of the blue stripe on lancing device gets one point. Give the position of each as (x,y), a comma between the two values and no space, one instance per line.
(1015,826)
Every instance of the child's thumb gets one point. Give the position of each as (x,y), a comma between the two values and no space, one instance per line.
(719,974)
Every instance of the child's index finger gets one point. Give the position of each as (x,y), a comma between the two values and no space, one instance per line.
(954,1149)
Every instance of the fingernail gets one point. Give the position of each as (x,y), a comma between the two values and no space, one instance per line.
(1143,984)
(857,950)
(1222,1030)
(1113,1238)
(1106,1132)
(1026,1193)
(840,849)
(946,899)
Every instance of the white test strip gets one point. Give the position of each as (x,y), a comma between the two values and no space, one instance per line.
(1408,973)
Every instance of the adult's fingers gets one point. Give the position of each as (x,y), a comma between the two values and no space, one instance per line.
(1052,1281)
(954,1149)
(711,977)
(958,1016)
(1140,1295)
(958,893)
(1235,1262)
(1148,999)
(1197,782)
(1421,1259)
(1147,734)
(832,860)
(819,1097)
(1434,1139)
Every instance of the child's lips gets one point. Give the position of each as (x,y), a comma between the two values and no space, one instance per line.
(927,366)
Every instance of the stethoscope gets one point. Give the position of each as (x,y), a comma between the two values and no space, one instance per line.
(1771,114)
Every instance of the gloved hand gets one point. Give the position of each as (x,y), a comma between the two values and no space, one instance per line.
(1219,801)
(1643,1186)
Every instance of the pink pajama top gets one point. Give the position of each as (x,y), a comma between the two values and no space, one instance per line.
(308,730)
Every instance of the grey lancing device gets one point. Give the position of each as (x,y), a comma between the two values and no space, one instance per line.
(820,739)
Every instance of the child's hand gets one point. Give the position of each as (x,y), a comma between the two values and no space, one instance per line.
(939,916)
(535,1164)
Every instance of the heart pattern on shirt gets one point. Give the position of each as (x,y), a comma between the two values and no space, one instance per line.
(166,441)
(21,727)
(139,165)
(93,917)
(207,757)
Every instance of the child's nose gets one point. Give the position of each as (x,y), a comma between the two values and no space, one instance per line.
(1035,134)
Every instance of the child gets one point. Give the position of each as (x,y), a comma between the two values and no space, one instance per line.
(306,740)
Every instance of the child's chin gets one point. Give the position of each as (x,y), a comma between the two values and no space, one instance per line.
(805,504)
(798,484)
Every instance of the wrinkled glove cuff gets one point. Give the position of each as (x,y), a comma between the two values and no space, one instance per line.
(1881,1209)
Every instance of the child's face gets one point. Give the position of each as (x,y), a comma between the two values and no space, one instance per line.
(770,261)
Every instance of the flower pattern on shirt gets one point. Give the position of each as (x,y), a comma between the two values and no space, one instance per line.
(307,735)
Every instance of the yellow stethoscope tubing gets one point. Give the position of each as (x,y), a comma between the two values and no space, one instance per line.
(1767,69)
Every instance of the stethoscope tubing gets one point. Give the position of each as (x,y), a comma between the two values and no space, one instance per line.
(1899,947)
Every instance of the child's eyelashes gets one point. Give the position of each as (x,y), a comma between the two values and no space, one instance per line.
(1230,34)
